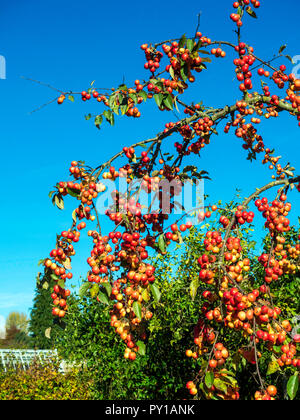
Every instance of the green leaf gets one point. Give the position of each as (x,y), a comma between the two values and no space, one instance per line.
(137,309)
(73,192)
(103,298)
(180,240)
(231,381)
(283,47)
(71,98)
(168,101)
(83,289)
(108,288)
(175,103)
(123,87)
(190,44)
(155,292)
(143,94)
(158,99)
(67,263)
(115,109)
(126,220)
(134,97)
(194,287)
(292,386)
(273,367)
(112,100)
(189,168)
(171,71)
(184,72)
(220,385)
(145,295)
(204,52)
(46,285)
(108,114)
(251,244)
(48,333)
(142,347)
(290,59)
(182,41)
(251,12)
(94,290)
(162,243)
(197,46)
(209,379)
(59,201)
(124,109)
(98,120)
(61,283)
(74,216)
(206,60)
(201,387)
(88,116)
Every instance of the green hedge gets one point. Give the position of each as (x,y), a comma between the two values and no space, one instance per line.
(45,382)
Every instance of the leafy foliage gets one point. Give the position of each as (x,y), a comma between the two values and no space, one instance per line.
(41,318)
(45,382)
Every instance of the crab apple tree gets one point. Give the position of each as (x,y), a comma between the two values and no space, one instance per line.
(120,269)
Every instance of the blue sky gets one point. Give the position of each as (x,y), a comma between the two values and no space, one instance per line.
(70,43)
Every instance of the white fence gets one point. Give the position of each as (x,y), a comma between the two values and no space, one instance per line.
(24,358)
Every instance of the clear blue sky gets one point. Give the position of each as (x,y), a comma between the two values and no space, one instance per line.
(70,43)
